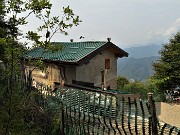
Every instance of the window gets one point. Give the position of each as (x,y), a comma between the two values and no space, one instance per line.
(107,63)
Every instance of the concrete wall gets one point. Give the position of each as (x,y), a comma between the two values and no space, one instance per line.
(70,73)
(169,113)
(91,72)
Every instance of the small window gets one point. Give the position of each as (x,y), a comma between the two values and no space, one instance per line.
(107,63)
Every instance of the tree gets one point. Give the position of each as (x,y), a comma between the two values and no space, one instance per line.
(121,82)
(153,88)
(12,94)
(167,68)
(3,28)
(137,87)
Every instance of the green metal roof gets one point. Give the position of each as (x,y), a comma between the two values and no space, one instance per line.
(71,52)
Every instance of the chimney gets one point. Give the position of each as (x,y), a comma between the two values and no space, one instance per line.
(109,39)
(71,40)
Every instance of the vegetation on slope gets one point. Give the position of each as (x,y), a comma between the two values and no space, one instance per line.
(136,69)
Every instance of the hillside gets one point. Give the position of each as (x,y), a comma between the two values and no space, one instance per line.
(138,65)
(137,69)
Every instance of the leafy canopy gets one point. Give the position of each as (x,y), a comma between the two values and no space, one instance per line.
(167,68)
(15,89)
(121,82)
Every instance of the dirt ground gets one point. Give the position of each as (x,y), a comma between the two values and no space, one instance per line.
(169,113)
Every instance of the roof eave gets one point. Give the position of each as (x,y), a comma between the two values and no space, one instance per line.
(119,52)
(55,61)
(61,62)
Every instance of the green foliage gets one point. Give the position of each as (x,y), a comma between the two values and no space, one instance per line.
(16,98)
(121,82)
(140,88)
(54,24)
(152,85)
(13,105)
(30,111)
(137,88)
(167,68)
(167,72)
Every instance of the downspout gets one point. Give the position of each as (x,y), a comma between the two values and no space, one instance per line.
(102,79)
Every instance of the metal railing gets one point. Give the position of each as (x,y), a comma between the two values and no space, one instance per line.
(93,111)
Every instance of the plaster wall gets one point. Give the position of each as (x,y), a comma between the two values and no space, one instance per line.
(70,73)
(50,75)
(91,72)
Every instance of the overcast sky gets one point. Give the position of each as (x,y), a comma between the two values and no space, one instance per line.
(128,22)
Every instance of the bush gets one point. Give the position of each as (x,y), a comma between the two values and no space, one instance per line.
(137,88)
(121,82)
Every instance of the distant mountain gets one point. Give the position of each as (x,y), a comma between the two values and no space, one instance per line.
(137,69)
(138,65)
(143,51)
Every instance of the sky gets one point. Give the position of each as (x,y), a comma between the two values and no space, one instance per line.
(129,23)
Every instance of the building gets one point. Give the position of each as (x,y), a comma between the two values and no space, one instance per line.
(91,63)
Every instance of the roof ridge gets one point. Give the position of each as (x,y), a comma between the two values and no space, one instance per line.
(83,42)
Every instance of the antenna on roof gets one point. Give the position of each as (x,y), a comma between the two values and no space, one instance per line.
(81,37)
(109,39)
(71,40)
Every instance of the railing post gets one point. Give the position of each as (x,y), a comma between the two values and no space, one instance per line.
(62,120)
(153,114)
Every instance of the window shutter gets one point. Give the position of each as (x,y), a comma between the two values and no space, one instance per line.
(107,63)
